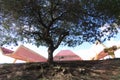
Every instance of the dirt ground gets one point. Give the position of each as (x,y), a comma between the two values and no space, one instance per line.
(72,70)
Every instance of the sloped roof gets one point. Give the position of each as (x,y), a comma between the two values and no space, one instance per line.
(6,51)
(101,55)
(66,55)
(25,54)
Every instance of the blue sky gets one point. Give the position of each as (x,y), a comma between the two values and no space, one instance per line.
(86,50)
(78,49)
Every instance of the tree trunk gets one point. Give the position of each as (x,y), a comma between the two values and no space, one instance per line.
(50,54)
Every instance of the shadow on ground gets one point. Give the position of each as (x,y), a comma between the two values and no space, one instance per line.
(72,70)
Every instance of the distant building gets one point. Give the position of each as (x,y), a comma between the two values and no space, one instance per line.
(100,55)
(3,55)
(106,51)
(24,54)
(66,55)
(6,51)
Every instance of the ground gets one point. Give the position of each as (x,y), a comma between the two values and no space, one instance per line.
(72,70)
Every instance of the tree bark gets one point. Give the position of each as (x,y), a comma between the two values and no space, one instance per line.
(50,54)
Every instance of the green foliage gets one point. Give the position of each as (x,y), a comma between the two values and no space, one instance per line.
(43,22)
(58,22)
(110,7)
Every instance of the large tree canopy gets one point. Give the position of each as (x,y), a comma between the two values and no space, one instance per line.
(58,22)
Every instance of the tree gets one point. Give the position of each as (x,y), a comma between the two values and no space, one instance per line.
(58,22)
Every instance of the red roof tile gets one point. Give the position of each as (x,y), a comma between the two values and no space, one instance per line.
(66,55)
(25,54)
(6,51)
(101,55)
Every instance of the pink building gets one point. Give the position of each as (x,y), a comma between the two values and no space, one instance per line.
(66,55)
(24,54)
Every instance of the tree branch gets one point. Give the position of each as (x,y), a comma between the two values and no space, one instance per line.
(57,18)
(37,13)
(61,37)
